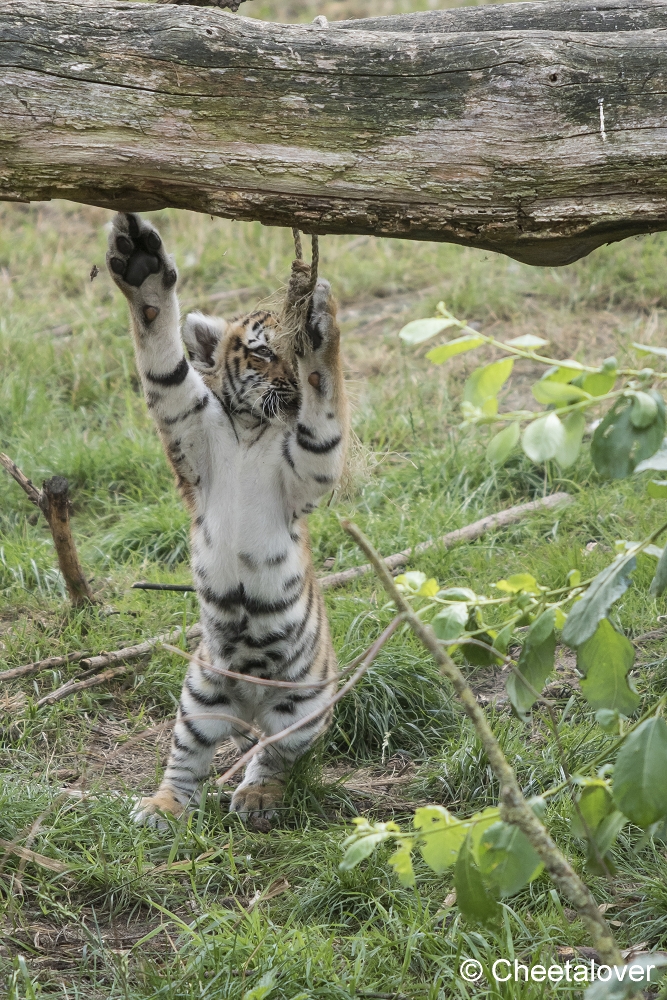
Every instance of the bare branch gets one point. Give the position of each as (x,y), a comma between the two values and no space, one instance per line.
(54,503)
(467,534)
(26,484)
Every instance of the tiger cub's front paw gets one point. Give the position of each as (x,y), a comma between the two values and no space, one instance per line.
(139,265)
(321,327)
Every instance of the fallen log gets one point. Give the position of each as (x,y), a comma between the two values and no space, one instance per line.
(536,130)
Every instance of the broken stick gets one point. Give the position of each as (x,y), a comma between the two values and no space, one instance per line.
(117,661)
(54,503)
(467,534)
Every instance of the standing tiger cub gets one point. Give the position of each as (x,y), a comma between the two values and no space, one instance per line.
(255,439)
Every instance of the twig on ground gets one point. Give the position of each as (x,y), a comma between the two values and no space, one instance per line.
(72,687)
(467,534)
(25,854)
(656,633)
(51,663)
(119,657)
(513,807)
(369,656)
(54,503)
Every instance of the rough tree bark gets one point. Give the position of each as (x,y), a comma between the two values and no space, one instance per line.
(538,130)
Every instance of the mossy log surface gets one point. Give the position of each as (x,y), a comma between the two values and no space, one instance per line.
(538,129)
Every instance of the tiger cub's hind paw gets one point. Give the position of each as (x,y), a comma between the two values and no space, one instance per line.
(152,810)
(253,802)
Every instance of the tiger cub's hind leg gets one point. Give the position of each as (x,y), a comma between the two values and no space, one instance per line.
(207,716)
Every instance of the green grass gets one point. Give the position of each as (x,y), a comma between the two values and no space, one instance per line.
(70,404)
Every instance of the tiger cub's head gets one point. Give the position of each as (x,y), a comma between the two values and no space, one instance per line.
(239,362)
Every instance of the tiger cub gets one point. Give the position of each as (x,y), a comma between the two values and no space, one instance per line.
(254,440)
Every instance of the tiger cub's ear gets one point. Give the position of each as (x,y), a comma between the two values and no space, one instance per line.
(202,334)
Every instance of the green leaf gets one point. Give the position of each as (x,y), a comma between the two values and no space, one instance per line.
(595,803)
(535,663)
(485,383)
(562,393)
(457,594)
(656,462)
(608,720)
(543,438)
(574,577)
(563,373)
(608,831)
(620,986)
(478,656)
(644,410)
(401,862)
(450,623)
(657,488)
(603,590)
(518,582)
(420,330)
(527,342)
(598,822)
(659,830)
(264,987)
(640,774)
(472,898)
(364,840)
(661,352)
(506,859)
(438,355)
(659,581)
(361,849)
(618,446)
(605,660)
(503,444)
(599,383)
(502,640)
(574,425)
(410,582)
(444,836)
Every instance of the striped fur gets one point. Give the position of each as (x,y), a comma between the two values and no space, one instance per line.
(255,439)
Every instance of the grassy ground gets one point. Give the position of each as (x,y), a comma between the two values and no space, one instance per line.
(208,908)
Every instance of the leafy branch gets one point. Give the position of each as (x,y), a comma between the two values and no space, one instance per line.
(624,440)
(496,852)
(517,836)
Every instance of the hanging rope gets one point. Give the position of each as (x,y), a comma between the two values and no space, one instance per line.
(299,293)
